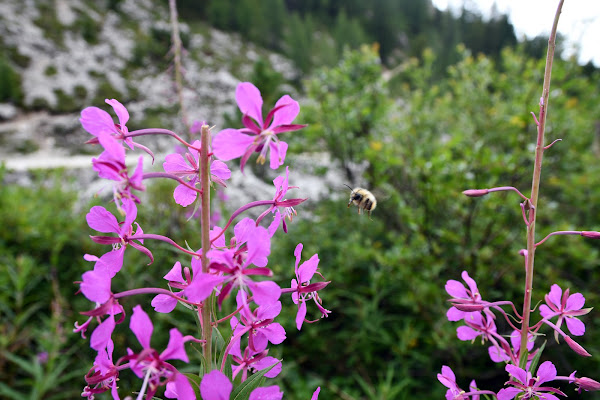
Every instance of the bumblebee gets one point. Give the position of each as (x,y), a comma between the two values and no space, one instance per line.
(363,199)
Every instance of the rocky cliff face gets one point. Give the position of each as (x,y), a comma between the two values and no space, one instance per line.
(71,54)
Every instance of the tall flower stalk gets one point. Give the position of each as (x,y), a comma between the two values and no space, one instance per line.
(205,220)
(535,184)
(520,352)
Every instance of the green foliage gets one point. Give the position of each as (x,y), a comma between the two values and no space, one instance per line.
(88,28)
(471,130)
(40,258)
(349,99)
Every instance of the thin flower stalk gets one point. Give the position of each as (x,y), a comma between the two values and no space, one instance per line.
(205,229)
(535,186)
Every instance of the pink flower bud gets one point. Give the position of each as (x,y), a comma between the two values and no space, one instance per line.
(587,384)
(476,192)
(590,234)
(576,347)
(469,307)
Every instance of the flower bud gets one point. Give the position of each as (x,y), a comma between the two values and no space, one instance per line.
(476,192)
(587,384)
(590,234)
(576,347)
(469,307)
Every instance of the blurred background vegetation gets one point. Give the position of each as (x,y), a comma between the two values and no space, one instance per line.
(426,104)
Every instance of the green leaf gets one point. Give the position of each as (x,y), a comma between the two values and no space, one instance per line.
(536,358)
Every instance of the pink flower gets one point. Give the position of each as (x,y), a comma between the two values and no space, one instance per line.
(448,379)
(104,221)
(188,169)
(259,324)
(587,384)
(462,298)
(100,124)
(115,169)
(283,208)
(104,374)
(258,135)
(252,245)
(149,364)
(303,289)
(567,308)
(523,382)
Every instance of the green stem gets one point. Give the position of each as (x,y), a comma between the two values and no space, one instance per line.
(205,220)
(535,187)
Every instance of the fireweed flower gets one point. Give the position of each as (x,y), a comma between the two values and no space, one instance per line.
(188,169)
(258,135)
(303,289)
(567,308)
(448,379)
(258,323)
(523,382)
(104,374)
(251,246)
(100,124)
(252,361)
(478,325)
(113,168)
(465,299)
(149,364)
(282,208)
(584,383)
(104,221)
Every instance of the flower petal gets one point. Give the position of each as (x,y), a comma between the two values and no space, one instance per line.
(555,295)
(215,386)
(95,121)
(175,349)
(278,152)
(301,315)
(249,101)
(466,333)
(576,327)
(102,220)
(96,286)
(287,114)
(456,289)
(202,286)
(184,196)
(101,336)
(266,292)
(220,170)
(266,393)
(454,314)
(575,302)
(259,247)
(163,303)
(175,163)
(231,143)
(141,326)
(546,372)
(508,393)
(308,268)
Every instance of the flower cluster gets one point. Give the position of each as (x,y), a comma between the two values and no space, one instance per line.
(221,268)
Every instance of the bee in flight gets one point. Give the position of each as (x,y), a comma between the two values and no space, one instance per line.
(363,199)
